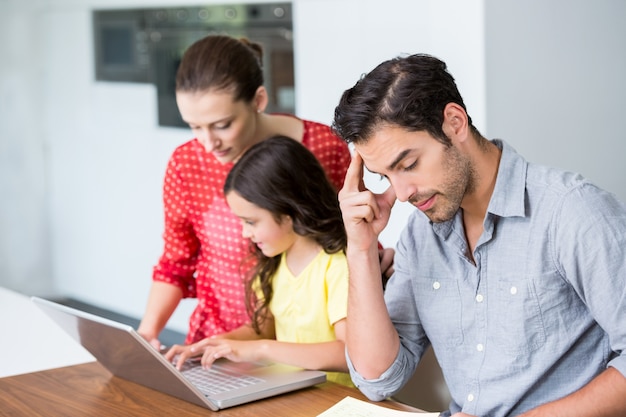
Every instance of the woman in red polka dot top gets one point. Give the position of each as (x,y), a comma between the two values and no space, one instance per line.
(220,94)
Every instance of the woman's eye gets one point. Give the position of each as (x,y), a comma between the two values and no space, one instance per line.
(223,126)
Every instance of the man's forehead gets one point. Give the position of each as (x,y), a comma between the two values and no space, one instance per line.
(385,148)
(369,156)
(382,157)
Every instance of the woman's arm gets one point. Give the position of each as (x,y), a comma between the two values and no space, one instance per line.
(162,301)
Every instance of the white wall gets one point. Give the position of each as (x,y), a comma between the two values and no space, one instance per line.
(24,239)
(83,161)
(556,74)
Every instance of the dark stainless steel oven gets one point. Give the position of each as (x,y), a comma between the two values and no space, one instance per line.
(146,45)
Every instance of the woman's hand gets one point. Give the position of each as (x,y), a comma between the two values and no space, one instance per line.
(154,342)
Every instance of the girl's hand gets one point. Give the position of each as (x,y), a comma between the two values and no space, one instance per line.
(184,352)
(233,350)
(214,348)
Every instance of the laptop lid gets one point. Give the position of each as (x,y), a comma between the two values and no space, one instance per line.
(121,350)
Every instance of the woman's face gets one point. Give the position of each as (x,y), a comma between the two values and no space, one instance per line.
(226,128)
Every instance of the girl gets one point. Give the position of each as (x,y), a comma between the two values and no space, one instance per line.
(297,299)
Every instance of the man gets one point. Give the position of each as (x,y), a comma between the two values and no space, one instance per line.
(515,273)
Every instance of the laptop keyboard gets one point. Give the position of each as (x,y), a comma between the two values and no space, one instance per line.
(215,381)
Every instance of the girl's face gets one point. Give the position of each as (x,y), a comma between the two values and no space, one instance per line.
(260,226)
(226,128)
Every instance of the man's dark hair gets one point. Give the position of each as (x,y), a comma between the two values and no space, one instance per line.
(410,92)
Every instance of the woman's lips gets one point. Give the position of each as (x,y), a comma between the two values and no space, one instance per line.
(221,154)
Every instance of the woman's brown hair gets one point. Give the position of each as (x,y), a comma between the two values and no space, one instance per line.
(222,63)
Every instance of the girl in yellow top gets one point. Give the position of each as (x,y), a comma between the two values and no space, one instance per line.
(298,297)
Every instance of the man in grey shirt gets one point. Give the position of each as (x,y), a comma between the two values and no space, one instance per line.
(515,273)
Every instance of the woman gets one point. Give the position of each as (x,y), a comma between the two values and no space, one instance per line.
(220,95)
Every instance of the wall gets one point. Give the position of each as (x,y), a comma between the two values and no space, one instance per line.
(83,161)
(556,83)
(25,259)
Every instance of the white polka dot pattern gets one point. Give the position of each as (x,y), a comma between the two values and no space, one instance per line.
(203,247)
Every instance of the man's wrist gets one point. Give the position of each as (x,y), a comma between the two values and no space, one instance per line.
(359,250)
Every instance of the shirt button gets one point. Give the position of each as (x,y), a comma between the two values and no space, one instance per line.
(479,298)
(470,397)
(513,290)
(436,285)
(480,347)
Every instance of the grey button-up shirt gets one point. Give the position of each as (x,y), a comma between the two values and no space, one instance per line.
(540,313)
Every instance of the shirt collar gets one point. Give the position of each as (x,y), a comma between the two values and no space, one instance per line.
(509,194)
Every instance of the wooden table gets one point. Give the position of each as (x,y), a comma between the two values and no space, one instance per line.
(90,390)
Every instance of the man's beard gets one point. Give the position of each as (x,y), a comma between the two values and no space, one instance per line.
(460,180)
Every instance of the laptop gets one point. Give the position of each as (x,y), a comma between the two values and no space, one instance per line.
(121,350)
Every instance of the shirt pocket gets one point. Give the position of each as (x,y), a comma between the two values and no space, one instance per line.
(439,308)
(519,327)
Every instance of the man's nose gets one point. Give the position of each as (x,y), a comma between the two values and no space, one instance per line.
(403,189)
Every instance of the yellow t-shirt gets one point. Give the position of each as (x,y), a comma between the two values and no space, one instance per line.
(306,306)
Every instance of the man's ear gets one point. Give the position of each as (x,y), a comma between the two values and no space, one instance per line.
(455,122)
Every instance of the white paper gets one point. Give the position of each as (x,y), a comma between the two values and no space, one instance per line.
(352,407)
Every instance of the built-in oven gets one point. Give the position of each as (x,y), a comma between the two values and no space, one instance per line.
(146,45)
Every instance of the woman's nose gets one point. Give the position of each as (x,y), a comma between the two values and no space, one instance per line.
(208,140)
